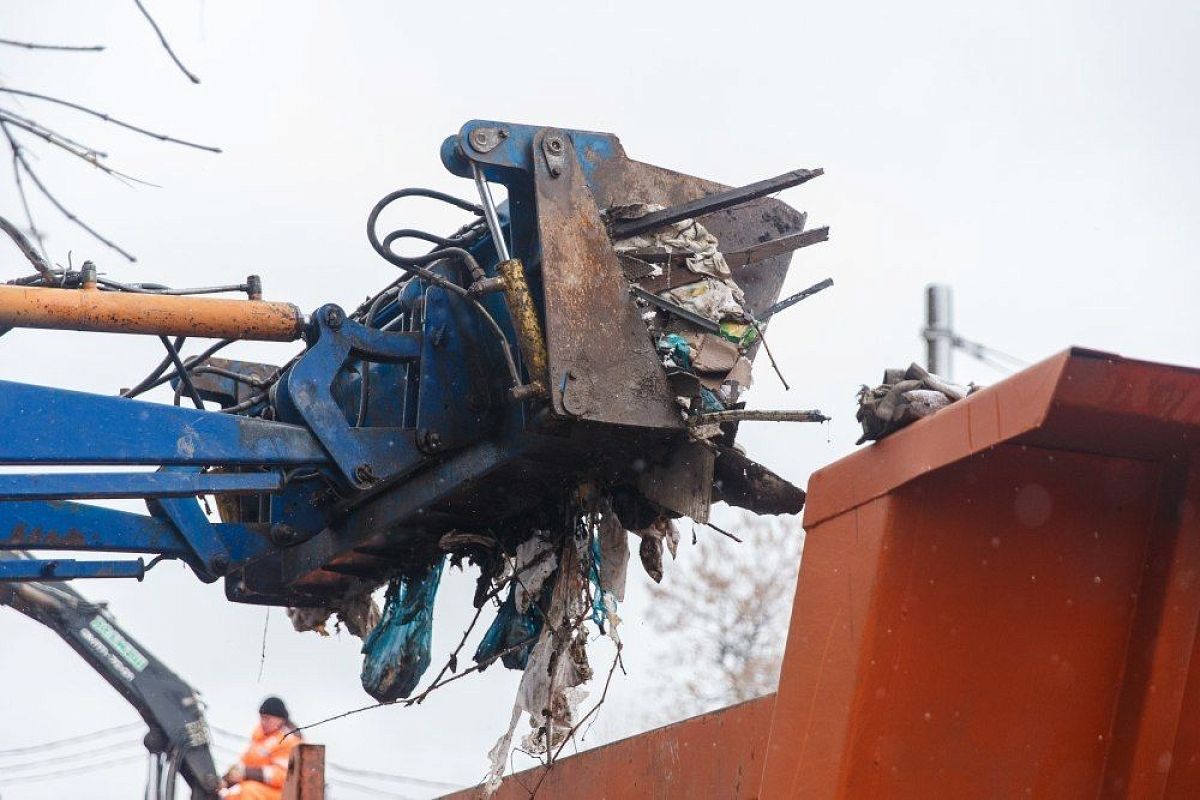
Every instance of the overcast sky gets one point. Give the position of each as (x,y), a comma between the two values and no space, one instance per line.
(1039,156)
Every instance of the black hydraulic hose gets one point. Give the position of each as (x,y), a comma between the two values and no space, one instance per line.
(185,380)
(364,375)
(191,363)
(156,374)
(416,265)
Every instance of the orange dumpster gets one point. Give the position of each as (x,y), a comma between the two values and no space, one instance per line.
(1001,600)
(998,601)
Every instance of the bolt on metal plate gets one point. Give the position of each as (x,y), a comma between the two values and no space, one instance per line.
(484,140)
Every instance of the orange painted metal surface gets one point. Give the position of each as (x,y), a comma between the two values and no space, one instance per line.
(998,601)
(715,756)
(167,315)
(1001,600)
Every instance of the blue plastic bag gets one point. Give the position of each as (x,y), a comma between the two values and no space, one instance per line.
(510,628)
(398,648)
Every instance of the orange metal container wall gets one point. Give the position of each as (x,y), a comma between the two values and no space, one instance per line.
(717,756)
(1001,600)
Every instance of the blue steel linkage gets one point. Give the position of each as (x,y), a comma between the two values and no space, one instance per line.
(62,569)
(364,455)
(61,525)
(121,485)
(51,426)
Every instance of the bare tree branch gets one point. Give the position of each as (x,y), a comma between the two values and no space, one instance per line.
(34,257)
(100,115)
(82,153)
(93,48)
(33,229)
(30,121)
(166,45)
(19,154)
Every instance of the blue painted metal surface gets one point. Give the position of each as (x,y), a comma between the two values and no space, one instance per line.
(57,426)
(65,569)
(63,525)
(118,485)
(365,456)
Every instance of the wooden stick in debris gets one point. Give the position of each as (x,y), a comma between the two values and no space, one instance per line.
(755,415)
(770,357)
(722,531)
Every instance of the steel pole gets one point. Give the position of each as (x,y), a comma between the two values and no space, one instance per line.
(939,330)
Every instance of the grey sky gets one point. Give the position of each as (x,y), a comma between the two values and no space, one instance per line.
(1039,156)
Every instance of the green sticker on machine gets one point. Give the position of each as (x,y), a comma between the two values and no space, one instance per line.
(119,643)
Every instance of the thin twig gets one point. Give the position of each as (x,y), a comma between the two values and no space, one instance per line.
(722,531)
(62,209)
(262,658)
(406,702)
(30,121)
(162,137)
(37,259)
(92,48)
(762,338)
(80,152)
(27,249)
(166,45)
(571,733)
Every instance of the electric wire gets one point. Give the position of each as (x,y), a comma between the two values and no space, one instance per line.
(63,773)
(371,790)
(56,743)
(87,753)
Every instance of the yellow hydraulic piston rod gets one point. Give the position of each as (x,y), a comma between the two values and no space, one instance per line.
(88,309)
(530,339)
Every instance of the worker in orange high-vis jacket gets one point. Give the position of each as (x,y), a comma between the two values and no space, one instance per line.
(263,767)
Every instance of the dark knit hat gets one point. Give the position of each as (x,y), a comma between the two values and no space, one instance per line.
(274,707)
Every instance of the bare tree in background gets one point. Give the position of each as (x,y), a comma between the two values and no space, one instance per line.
(21,128)
(723,616)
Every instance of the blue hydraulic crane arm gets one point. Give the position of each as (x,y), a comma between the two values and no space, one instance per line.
(500,371)
(170,707)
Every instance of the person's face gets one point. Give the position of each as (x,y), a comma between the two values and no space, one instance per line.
(270,724)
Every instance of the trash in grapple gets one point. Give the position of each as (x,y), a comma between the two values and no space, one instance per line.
(397,651)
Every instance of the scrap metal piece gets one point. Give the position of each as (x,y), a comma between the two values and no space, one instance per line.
(775,247)
(676,309)
(603,367)
(714,202)
(683,484)
(788,302)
